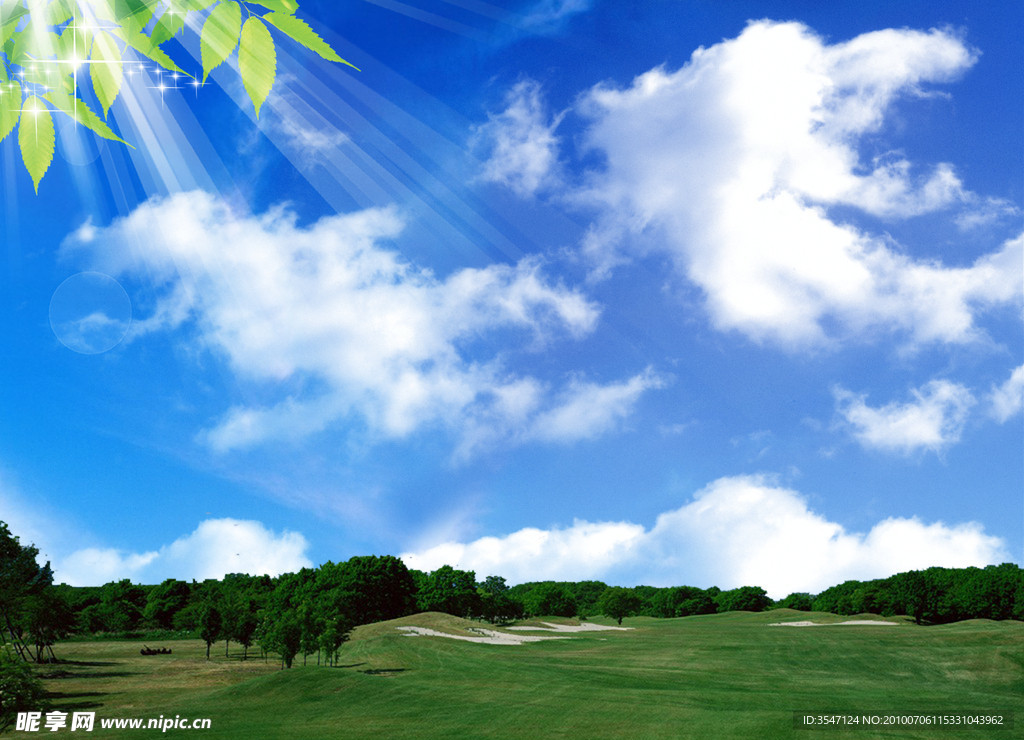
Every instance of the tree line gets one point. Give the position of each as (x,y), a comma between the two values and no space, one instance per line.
(313,610)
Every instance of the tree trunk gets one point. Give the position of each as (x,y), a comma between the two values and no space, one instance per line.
(19,647)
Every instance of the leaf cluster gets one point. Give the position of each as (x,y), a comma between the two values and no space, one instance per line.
(54,52)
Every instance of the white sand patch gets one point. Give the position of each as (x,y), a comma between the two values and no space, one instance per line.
(488,637)
(831,624)
(586,627)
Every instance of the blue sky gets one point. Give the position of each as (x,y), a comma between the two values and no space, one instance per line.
(707,293)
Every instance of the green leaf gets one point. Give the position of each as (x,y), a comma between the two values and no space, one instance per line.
(9,14)
(169,26)
(281,6)
(22,41)
(144,45)
(299,31)
(103,10)
(80,112)
(199,4)
(75,42)
(220,35)
(33,42)
(10,109)
(59,12)
(36,139)
(136,11)
(257,61)
(7,30)
(106,70)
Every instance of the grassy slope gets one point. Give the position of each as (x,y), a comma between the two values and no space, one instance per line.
(720,676)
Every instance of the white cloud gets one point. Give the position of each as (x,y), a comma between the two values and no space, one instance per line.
(581,411)
(737,531)
(298,128)
(588,409)
(394,345)
(576,553)
(216,547)
(522,149)
(932,421)
(548,16)
(731,163)
(1007,400)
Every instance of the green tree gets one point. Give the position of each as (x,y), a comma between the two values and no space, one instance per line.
(744,598)
(838,599)
(617,602)
(210,624)
(312,622)
(46,618)
(246,623)
(370,588)
(21,577)
(451,591)
(164,602)
(587,594)
(283,636)
(334,634)
(684,601)
(550,599)
(121,606)
(800,601)
(914,594)
(495,601)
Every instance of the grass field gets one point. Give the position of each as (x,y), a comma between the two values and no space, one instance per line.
(718,676)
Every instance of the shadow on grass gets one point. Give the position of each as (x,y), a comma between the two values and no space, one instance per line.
(351,665)
(87,662)
(68,675)
(383,671)
(72,700)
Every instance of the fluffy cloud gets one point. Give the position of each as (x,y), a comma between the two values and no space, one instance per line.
(737,531)
(522,149)
(216,547)
(1007,400)
(576,553)
(732,163)
(932,421)
(395,345)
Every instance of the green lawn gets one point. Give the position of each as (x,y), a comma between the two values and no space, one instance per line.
(719,676)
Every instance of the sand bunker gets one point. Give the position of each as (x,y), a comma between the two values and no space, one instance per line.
(586,627)
(831,624)
(487,637)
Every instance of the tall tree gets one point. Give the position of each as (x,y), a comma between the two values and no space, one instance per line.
(21,577)
(617,602)
(164,602)
(451,591)
(210,624)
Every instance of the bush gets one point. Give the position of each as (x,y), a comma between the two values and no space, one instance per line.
(20,690)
